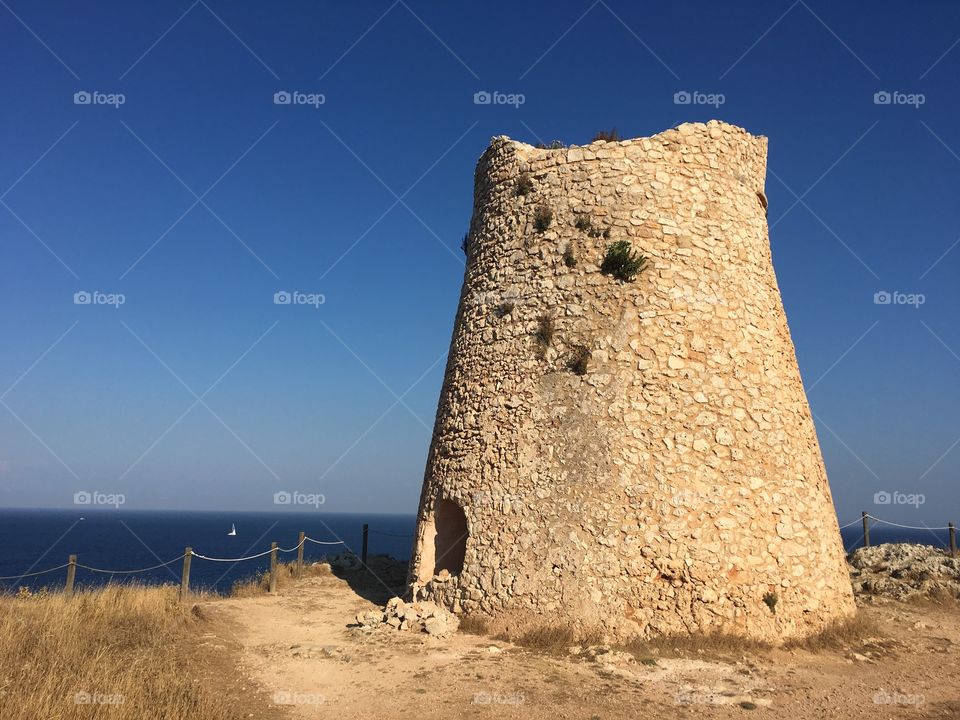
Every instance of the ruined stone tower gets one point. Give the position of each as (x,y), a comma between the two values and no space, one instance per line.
(630,456)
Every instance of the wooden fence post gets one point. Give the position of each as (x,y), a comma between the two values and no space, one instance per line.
(71,575)
(866,530)
(185,576)
(273,567)
(953,539)
(301,542)
(363,546)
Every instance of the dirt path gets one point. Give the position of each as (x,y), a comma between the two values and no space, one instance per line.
(298,646)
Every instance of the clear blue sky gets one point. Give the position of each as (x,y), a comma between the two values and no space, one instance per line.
(105,198)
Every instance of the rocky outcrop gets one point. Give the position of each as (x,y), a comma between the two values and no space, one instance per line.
(903,572)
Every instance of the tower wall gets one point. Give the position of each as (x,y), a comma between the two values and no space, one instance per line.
(676,486)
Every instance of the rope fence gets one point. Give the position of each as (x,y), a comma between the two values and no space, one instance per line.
(71,565)
(34,574)
(909,527)
(233,560)
(322,542)
(866,517)
(188,555)
(129,572)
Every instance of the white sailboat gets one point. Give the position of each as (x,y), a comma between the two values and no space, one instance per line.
(233,529)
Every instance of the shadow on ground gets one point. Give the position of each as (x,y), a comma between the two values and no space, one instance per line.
(383,578)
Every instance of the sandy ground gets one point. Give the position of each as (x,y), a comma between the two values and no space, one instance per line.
(298,648)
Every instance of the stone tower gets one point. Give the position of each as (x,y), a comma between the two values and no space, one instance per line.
(630,456)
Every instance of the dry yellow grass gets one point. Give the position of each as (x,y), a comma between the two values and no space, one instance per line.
(710,644)
(558,639)
(259,584)
(838,635)
(555,639)
(474,625)
(123,652)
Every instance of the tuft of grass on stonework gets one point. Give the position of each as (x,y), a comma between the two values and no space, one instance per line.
(569,258)
(542,218)
(583,223)
(546,328)
(770,600)
(622,262)
(524,184)
(504,308)
(607,136)
(579,360)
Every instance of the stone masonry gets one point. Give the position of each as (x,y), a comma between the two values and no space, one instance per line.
(631,457)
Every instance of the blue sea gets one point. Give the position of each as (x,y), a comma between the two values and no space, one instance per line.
(35,540)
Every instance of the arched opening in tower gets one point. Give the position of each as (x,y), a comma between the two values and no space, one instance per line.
(450,541)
